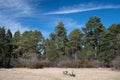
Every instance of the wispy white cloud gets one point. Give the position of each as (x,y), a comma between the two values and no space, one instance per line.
(14,8)
(82,8)
(12,25)
(10,10)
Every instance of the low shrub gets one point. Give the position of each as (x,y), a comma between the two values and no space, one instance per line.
(27,62)
(68,63)
(46,63)
(116,63)
(5,62)
(90,64)
(30,63)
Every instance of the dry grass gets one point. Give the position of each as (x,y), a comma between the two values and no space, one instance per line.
(57,74)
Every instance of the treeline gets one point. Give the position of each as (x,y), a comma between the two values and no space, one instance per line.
(94,46)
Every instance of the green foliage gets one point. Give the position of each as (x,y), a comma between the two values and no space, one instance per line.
(51,51)
(30,42)
(16,43)
(93,33)
(75,42)
(6,47)
(110,44)
(93,46)
(2,41)
(61,38)
(9,44)
(53,36)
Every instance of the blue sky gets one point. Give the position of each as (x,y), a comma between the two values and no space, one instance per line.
(44,15)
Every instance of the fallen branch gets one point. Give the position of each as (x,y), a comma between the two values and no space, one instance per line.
(70,74)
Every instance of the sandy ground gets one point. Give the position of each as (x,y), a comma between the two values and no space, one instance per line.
(57,74)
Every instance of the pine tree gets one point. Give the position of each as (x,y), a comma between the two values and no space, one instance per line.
(75,43)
